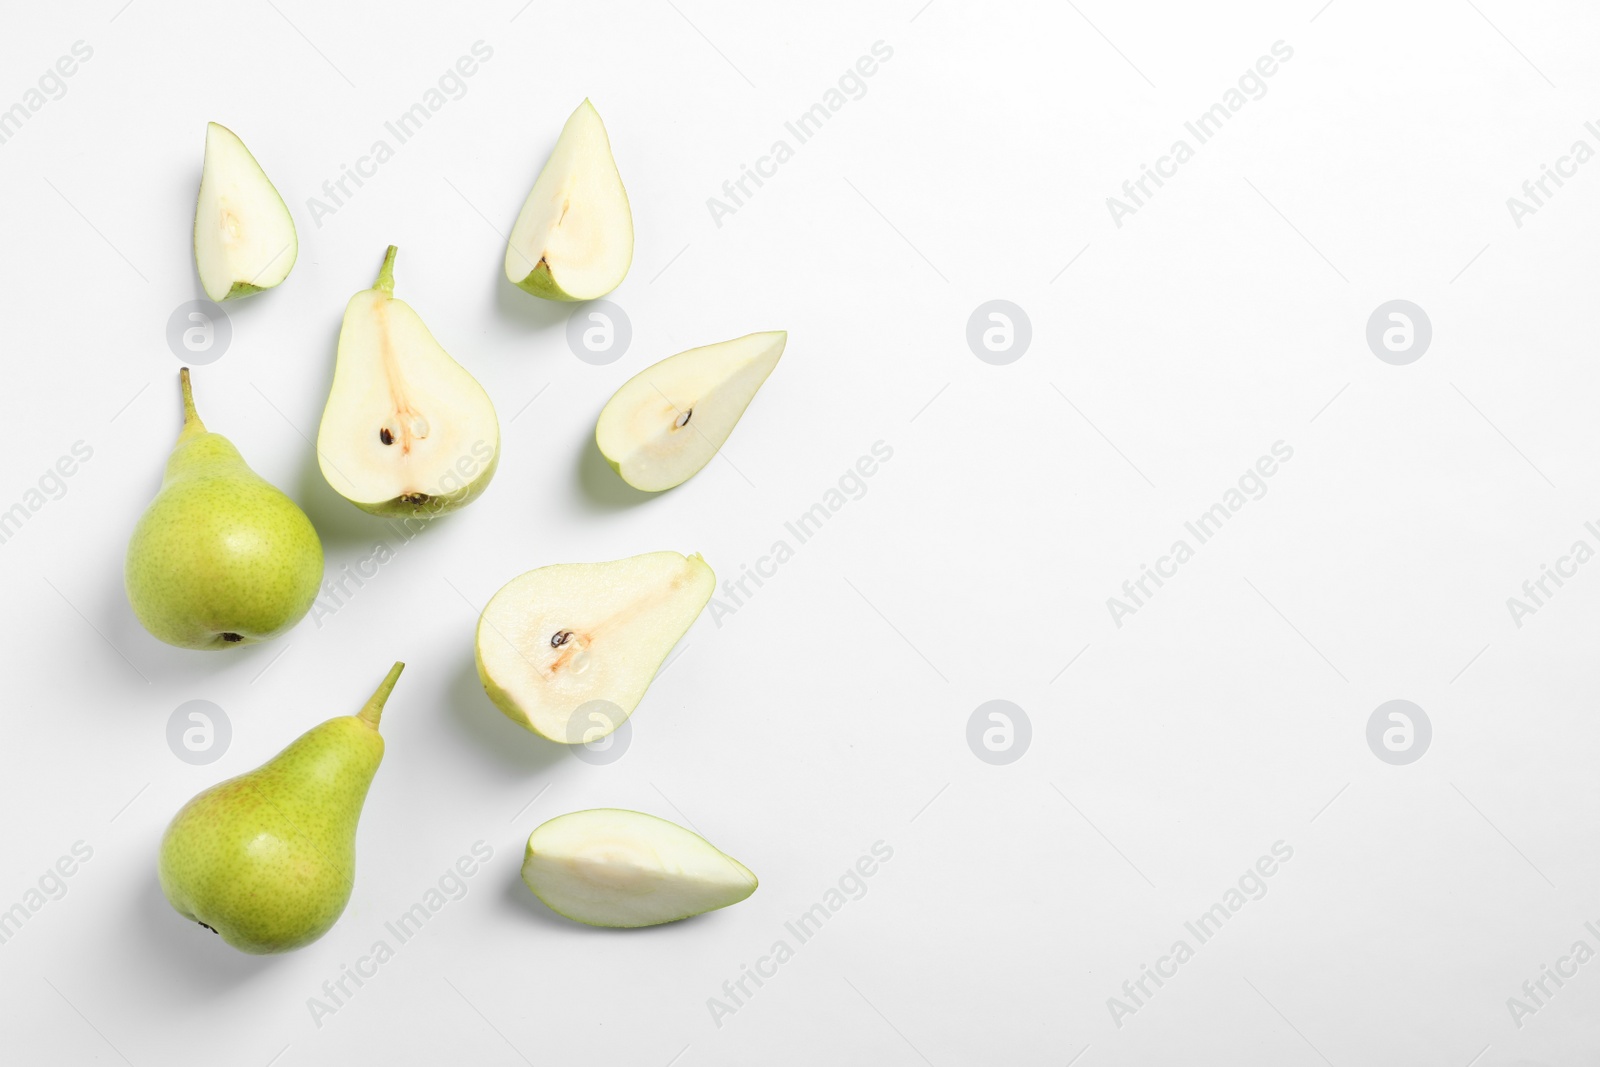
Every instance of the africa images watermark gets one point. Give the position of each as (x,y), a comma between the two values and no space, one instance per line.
(52,485)
(1535,191)
(51,886)
(806,126)
(51,85)
(1566,967)
(405,126)
(852,485)
(1203,128)
(1536,591)
(1203,528)
(851,885)
(1251,885)
(451,886)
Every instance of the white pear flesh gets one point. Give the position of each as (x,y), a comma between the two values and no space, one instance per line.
(244,239)
(557,639)
(667,421)
(610,867)
(406,430)
(573,239)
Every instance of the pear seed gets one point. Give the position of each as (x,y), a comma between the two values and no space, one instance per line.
(683,420)
(560,639)
(385,436)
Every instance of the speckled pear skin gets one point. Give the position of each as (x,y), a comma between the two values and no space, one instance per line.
(267,859)
(220,558)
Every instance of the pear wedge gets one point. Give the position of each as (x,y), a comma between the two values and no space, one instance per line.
(667,421)
(406,430)
(611,867)
(556,640)
(244,239)
(573,239)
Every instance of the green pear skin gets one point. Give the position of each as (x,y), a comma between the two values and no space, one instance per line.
(267,859)
(220,557)
(540,283)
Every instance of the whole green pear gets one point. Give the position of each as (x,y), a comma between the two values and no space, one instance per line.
(220,557)
(267,860)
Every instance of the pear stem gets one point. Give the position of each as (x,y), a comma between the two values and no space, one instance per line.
(385,280)
(374,709)
(191,417)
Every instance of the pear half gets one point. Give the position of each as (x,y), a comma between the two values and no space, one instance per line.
(667,421)
(610,867)
(244,239)
(556,640)
(573,239)
(406,430)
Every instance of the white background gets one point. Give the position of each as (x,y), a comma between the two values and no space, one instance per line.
(829,712)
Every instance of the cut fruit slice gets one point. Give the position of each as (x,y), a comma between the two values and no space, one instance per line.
(573,239)
(568,651)
(244,239)
(610,867)
(667,421)
(406,431)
